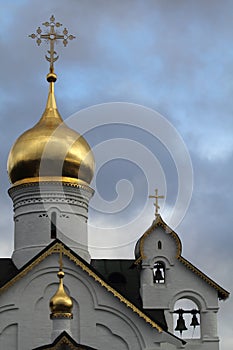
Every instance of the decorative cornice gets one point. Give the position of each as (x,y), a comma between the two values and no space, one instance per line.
(37,183)
(56,248)
(50,198)
(59,315)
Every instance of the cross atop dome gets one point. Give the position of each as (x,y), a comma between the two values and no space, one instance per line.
(52,35)
(156,203)
(61,154)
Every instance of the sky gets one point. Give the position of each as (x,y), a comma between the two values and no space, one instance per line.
(149,84)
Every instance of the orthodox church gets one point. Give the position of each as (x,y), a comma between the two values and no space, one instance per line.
(52,294)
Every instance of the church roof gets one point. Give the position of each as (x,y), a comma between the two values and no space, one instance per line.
(8,270)
(55,247)
(130,298)
(222,293)
(124,276)
(64,342)
(10,275)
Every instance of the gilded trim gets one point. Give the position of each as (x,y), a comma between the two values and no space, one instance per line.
(65,181)
(158,222)
(26,270)
(68,315)
(223,292)
(109,288)
(65,341)
(57,248)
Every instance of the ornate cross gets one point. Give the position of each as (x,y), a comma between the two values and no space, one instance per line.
(156,204)
(52,36)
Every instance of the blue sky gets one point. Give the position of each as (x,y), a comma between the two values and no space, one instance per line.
(175,57)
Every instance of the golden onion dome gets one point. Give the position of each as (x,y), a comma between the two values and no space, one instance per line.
(50,150)
(61,304)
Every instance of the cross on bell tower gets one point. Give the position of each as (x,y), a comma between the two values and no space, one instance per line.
(52,36)
(156,204)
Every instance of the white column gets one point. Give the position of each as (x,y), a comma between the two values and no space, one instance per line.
(209,325)
(60,325)
(146,275)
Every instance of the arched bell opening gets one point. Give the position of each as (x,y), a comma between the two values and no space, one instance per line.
(186,319)
(159,272)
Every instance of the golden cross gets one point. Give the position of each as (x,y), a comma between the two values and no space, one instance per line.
(52,36)
(156,204)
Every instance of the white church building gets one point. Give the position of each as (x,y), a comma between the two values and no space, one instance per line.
(53,295)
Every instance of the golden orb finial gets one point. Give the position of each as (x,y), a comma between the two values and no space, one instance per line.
(61,304)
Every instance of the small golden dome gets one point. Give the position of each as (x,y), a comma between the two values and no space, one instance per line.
(61,304)
(50,150)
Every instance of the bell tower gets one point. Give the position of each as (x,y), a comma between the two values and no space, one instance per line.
(167,280)
(50,167)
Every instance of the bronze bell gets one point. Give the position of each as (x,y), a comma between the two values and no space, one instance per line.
(194,321)
(158,277)
(180,326)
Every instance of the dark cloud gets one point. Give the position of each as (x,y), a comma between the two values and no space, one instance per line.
(173,56)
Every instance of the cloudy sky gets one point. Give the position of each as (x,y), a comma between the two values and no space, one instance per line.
(169,65)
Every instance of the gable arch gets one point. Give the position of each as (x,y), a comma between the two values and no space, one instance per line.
(109,309)
(105,332)
(192,295)
(52,252)
(9,336)
(167,262)
(128,325)
(8,318)
(167,231)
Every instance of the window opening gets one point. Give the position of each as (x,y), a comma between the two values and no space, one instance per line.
(53,225)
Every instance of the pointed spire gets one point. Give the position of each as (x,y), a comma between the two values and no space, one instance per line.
(51,110)
(51,36)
